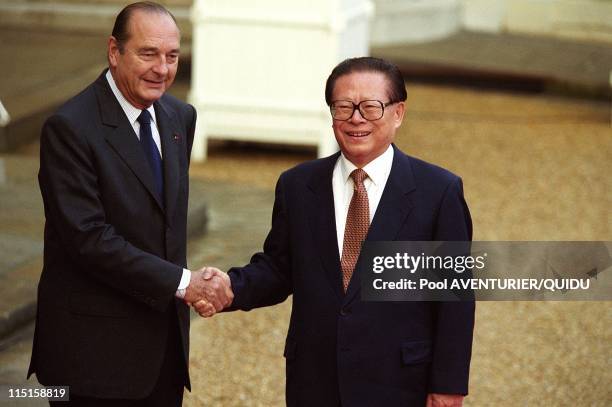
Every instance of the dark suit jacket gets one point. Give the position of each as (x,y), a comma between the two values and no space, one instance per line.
(338,348)
(113,254)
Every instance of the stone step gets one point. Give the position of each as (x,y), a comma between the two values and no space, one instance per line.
(121,3)
(29,108)
(573,64)
(78,16)
(18,295)
(45,70)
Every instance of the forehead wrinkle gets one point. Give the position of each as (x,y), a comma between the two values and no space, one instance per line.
(358,86)
(141,25)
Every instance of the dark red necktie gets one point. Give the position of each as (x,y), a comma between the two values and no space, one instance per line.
(356,228)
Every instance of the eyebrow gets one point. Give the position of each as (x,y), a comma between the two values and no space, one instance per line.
(154,49)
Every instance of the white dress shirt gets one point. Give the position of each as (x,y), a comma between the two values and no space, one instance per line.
(378,171)
(132,114)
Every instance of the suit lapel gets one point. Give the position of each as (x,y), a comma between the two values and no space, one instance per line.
(394,206)
(120,135)
(322,221)
(168,129)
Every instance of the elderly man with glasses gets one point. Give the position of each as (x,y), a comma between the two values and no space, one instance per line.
(340,350)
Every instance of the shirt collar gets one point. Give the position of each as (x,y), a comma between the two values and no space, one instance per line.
(377,169)
(130,110)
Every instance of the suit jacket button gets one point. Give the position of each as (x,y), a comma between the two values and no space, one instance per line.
(345,311)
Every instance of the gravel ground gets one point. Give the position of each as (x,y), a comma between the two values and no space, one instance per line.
(535,167)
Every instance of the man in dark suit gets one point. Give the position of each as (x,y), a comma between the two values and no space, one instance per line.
(112,323)
(339,349)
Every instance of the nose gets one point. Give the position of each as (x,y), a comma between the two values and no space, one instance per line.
(356,117)
(161,66)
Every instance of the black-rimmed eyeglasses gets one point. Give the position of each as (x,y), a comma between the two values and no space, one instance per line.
(369,109)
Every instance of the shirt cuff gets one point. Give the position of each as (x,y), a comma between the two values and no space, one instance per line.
(183,284)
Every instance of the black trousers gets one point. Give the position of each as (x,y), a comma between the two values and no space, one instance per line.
(168,390)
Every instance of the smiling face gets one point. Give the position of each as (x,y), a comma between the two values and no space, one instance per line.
(146,66)
(361,141)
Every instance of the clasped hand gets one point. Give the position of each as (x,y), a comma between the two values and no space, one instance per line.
(209,291)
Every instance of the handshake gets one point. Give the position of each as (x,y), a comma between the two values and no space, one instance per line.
(209,291)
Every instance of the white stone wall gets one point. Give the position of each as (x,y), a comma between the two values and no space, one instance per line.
(573,19)
(401,21)
(484,15)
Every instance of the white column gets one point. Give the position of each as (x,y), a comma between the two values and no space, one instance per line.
(259,68)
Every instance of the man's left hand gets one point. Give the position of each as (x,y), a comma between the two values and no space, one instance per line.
(203,306)
(444,400)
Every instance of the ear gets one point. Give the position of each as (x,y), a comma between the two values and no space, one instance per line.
(113,51)
(398,114)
